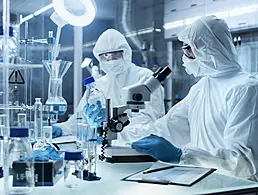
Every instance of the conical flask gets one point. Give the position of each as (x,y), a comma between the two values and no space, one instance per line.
(55,103)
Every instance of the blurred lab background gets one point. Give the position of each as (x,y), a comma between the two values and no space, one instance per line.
(151,28)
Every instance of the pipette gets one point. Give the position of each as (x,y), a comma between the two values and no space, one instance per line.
(60,23)
(50,41)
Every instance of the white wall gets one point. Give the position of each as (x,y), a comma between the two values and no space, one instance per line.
(239,14)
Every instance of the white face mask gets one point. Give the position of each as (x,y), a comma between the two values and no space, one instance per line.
(191,66)
(114,67)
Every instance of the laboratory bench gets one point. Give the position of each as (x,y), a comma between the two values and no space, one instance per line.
(111,184)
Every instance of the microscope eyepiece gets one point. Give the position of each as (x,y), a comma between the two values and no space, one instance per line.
(162,75)
(157,72)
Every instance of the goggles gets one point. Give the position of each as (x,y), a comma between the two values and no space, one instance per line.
(115,55)
(188,51)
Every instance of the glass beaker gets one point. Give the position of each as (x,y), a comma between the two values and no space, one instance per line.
(22,120)
(55,103)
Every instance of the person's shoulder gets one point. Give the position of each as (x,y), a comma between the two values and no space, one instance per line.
(244,80)
(244,84)
(198,83)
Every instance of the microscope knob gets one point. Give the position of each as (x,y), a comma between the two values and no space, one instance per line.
(117,126)
(137,97)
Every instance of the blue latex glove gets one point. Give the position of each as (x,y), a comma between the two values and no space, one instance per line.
(99,139)
(94,114)
(159,148)
(56,131)
(45,155)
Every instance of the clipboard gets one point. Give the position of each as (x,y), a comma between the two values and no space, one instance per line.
(170,178)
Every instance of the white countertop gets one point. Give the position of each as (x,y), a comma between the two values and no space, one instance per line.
(110,184)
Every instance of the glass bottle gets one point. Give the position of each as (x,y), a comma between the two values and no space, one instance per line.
(21,162)
(73,169)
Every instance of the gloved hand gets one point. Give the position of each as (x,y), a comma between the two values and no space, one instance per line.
(56,131)
(159,148)
(93,114)
(45,155)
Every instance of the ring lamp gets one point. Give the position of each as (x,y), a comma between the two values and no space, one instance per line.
(81,20)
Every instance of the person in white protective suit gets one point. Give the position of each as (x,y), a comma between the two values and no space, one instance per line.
(216,124)
(120,72)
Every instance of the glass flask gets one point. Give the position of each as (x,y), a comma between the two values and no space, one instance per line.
(55,103)
(93,94)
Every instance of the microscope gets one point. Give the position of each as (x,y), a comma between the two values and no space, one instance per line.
(135,95)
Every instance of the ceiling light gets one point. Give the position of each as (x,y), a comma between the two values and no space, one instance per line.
(82,20)
(174,24)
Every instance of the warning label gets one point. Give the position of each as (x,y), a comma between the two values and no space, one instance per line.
(16,77)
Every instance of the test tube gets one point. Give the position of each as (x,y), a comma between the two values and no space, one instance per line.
(32,131)
(51,41)
(85,129)
(1,145)
(91,150)
(22,120)
(79,133)
(38,124)
(1,130)
(47,134)
(2,135)
(2,119)
(2,126)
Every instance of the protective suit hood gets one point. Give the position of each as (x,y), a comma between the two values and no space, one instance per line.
(211,43)
(109,41)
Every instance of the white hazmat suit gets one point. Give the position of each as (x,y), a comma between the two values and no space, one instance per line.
(216,124)
(118,76)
